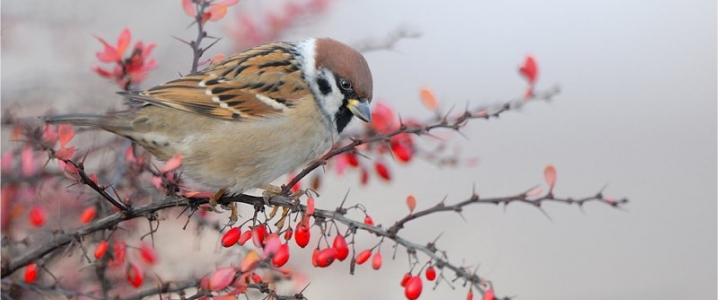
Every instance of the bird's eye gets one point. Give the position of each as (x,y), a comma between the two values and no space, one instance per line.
(345,84)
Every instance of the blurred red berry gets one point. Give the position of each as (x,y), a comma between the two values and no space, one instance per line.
(489,294)
(382,118)
(118,254)
(88,214)
(352,159)
(368,220)
(382,170)
(148,254)
(100,249)
(37,216)
(31,273)
(402,152)
(134,275)
(364,176)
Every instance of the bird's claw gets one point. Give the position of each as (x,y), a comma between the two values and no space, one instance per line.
(213,201)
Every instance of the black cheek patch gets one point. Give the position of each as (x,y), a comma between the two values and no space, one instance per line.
(324,87)
(343,116)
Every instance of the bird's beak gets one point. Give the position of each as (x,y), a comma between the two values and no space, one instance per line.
(360,108)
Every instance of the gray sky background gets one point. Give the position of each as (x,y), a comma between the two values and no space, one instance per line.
(637,112)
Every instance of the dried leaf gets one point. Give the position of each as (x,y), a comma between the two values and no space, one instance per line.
(549,174)
(172,164)
(249,261)
(429,99)
(65,134)
(411,203)
(529,70)
(221,278)
(189,8)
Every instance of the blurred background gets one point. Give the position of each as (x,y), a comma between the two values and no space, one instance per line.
(637,113)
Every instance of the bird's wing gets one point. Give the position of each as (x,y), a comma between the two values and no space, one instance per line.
(258,83)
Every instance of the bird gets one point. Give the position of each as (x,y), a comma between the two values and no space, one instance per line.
(249,119)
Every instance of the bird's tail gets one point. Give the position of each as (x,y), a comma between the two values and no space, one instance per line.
(110,122)
(75,119)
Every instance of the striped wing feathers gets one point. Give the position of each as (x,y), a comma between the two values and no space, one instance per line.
(258,83)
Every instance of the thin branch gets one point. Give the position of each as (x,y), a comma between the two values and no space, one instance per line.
(456,123)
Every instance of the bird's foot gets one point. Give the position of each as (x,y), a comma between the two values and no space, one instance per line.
(214,198)
(213,201)
(270,191)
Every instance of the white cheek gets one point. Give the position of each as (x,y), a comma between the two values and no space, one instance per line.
(333,100)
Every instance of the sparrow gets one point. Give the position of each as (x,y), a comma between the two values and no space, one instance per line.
(243,122)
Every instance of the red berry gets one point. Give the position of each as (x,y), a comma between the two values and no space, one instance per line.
(340,244)
(282,256)
(31,273)
(296,187)
(101,249)
(364,176)
(37,216)
(244,237)
(288,234)
(406,278)
(88,214)
(489,295)
(148,254)
(259,232)
(310,206)
(315,256)
(326,257)
(231,237)
(134,275)
(352,159)
(363,256)
(430,273)
(413,288)
(376,261)
(402,151)
(470,295)
(368,220)
(302,235)
(382,170)
(118,254)
(256,278)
